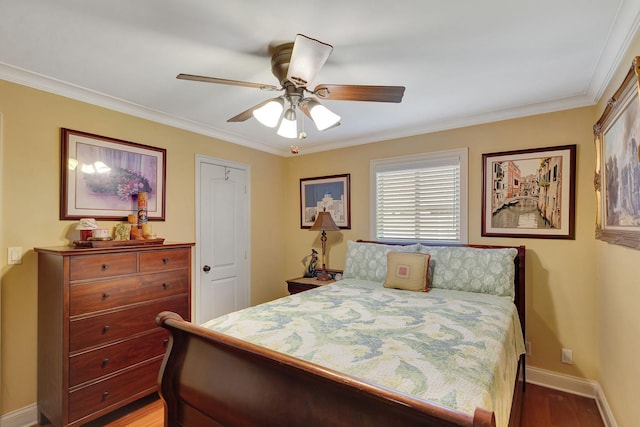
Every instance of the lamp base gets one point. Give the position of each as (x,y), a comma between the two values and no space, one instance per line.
(323,277)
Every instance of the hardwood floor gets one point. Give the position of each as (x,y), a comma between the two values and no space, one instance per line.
(543,407)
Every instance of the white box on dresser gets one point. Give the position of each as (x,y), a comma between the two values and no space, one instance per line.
(98,345)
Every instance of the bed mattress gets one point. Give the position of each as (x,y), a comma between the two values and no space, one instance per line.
(453,348)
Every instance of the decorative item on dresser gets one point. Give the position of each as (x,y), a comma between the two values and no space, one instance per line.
(98,345)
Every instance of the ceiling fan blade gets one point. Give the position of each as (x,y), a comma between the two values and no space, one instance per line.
(360,93)
(247,114)
(307,58)
(225,81)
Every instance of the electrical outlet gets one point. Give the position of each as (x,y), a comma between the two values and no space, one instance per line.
(527,348)
(567,356)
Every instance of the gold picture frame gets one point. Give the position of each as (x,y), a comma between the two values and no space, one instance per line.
(617,169)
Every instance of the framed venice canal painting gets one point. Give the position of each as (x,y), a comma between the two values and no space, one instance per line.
(529,193)
(101,177)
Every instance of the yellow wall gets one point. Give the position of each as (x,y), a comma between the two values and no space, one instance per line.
(561,290)
(618,308)
(30,204)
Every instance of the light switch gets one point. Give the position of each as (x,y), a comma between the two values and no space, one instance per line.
(14,255)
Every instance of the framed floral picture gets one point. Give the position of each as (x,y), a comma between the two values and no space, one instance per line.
(101,177)
(529,193)
(617,171)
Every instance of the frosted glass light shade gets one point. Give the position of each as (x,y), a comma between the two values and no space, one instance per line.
(322,116)
(269,114)
(289,125)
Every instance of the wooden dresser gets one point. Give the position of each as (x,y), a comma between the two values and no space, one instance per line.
(98,345)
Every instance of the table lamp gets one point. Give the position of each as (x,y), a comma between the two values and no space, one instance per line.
(324,223)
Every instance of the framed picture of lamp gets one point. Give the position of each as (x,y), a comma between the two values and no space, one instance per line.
(529,193)
(617,171)
(100,177)
(330,193)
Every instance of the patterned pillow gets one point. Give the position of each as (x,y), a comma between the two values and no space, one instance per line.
(487,271)
(368,261)
(408,271)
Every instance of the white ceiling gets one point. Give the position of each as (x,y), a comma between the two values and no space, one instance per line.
(462,62)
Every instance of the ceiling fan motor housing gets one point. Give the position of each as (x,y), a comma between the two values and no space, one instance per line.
(280,62)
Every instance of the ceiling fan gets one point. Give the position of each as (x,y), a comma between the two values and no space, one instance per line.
(295,65)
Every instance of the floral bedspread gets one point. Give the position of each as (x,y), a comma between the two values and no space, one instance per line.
(457,349)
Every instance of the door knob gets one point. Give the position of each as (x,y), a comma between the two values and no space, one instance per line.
(206,269)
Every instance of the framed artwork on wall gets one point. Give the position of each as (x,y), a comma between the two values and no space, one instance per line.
(617,172)
(326,192)
(100,177)
(529,193)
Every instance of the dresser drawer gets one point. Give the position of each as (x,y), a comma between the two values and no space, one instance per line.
(169,259)
(100,329)
(103,265)
(96,296)
(114,357)
(137,382)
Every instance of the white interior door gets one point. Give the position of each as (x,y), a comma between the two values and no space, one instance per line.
(222,248)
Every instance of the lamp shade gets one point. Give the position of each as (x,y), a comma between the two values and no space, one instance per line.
(269,114)
(289,125)
(322,117)
(324,222)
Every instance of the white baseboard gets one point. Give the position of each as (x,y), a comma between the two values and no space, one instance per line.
(28,415)
(605,410)
(24,417)
(562,382)
(574,385)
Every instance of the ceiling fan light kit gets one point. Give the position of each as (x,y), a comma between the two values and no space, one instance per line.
(295,65)
(269,114)
(321,116)
(289,124)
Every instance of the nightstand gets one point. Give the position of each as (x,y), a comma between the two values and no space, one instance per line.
(301,284)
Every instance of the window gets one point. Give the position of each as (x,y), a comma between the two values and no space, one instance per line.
(421,197)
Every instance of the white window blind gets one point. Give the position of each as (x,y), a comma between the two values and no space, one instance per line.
(420,198)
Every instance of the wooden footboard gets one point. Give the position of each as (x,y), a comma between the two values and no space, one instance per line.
(211,379)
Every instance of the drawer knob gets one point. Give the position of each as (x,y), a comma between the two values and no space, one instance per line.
(105,267)
(105,329)
(105,362)
(165,260)
(165,285)
(105,395)
(165,342)
(105,295)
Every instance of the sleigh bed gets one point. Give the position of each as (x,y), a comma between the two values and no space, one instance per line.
(359,352)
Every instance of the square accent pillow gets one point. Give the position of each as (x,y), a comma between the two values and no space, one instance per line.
(408,271)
